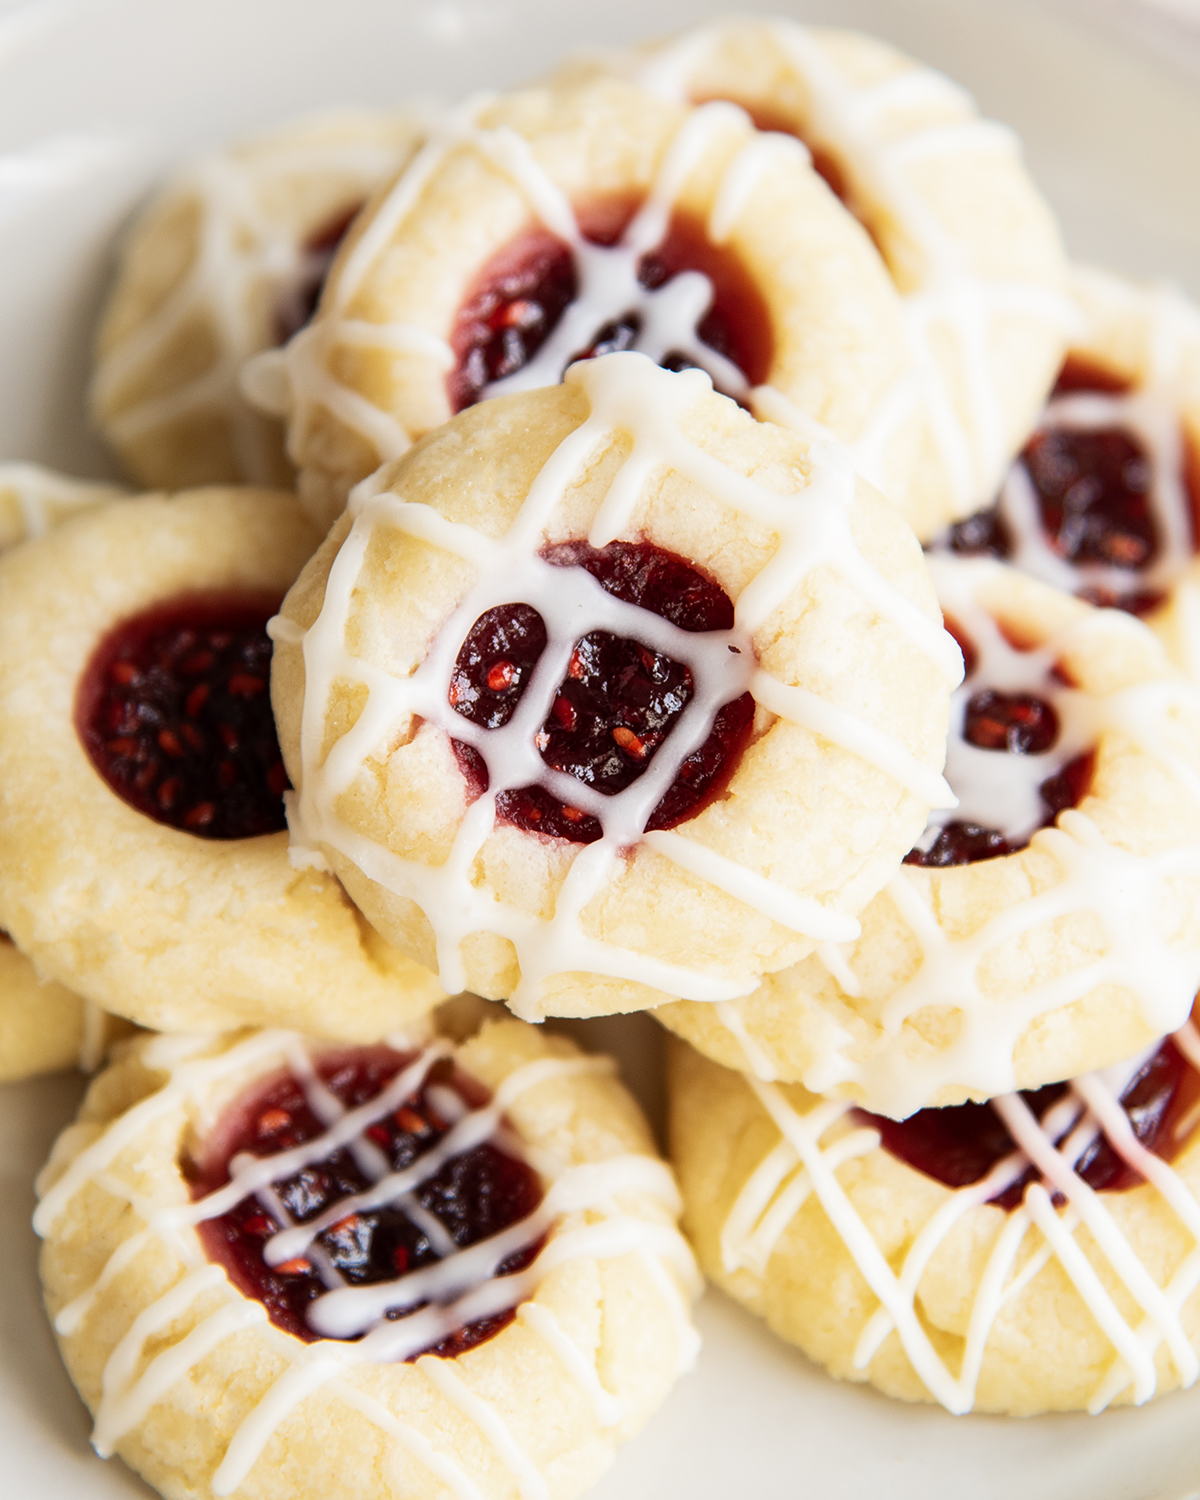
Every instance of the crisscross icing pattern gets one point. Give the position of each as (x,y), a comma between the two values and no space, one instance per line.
(629,394)
(1149,413)
(804,1163)
(580,1215)
(965,411)
(239,247)
(1124,890)
(997,788)
(667,317)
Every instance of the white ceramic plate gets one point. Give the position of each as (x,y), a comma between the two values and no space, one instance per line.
(96,97)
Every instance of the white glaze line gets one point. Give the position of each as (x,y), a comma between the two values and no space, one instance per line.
(777,1190)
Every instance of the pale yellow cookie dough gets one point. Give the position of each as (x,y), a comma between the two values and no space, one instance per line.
(1045,1350)
(968,239)
(200,283)
(818,820)
(44,1027)
(897,1049)
(171,930)
(374,1431)
(369,375)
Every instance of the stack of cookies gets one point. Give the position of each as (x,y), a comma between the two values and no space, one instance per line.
(718,559)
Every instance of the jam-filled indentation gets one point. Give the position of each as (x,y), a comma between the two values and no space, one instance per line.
(520,295)
(466,1199)
(174,710)
(959,1145)
(1093,491)
(615,708)
(1007,723)
(296,301)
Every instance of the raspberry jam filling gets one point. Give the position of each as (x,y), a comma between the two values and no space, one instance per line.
(297,301)
(174,710)
(520,295)
(467,1198)
(1008,723)
(618,702)
(1093,494)
(959,1145)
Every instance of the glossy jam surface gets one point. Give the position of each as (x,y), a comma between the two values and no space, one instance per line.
(618,701)
(1010,724)
(174,710)
(296,302)
(960,1145)
(474,1195)
(1093,495)
(521,293)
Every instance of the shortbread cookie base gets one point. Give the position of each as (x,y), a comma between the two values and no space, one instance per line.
(1045,1351)
(171,930)
(370,375)
(622,1313)
(799,809)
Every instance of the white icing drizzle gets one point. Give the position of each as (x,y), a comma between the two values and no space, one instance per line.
(239,247)
(853,123)
(1149,414)
(607,282)
(581,1215)
(1122,890)
(44,497)
(995,788)
(627,393)
(799,1165)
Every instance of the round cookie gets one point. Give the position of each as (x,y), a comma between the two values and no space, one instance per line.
(159,920)
(1103,500)
(527,1210)
(969,241)
(227,260)
(1008,953)
(1017,1257)
(607,688)
(568,219)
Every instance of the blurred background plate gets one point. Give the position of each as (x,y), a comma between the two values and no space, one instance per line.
(97,98)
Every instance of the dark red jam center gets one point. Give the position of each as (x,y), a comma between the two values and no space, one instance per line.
(521,293)
(473,1195)
(296,302)
(1012,724)
(960,1145)
(618,702)
(1093,493)
(174,709)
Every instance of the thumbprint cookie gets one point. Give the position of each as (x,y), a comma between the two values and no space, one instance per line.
(143,844)
(281,1269)
(970,243)
(1047,925)
(228,260)
(1103,500)
(1038,1252)
(607,688)
(560,222)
